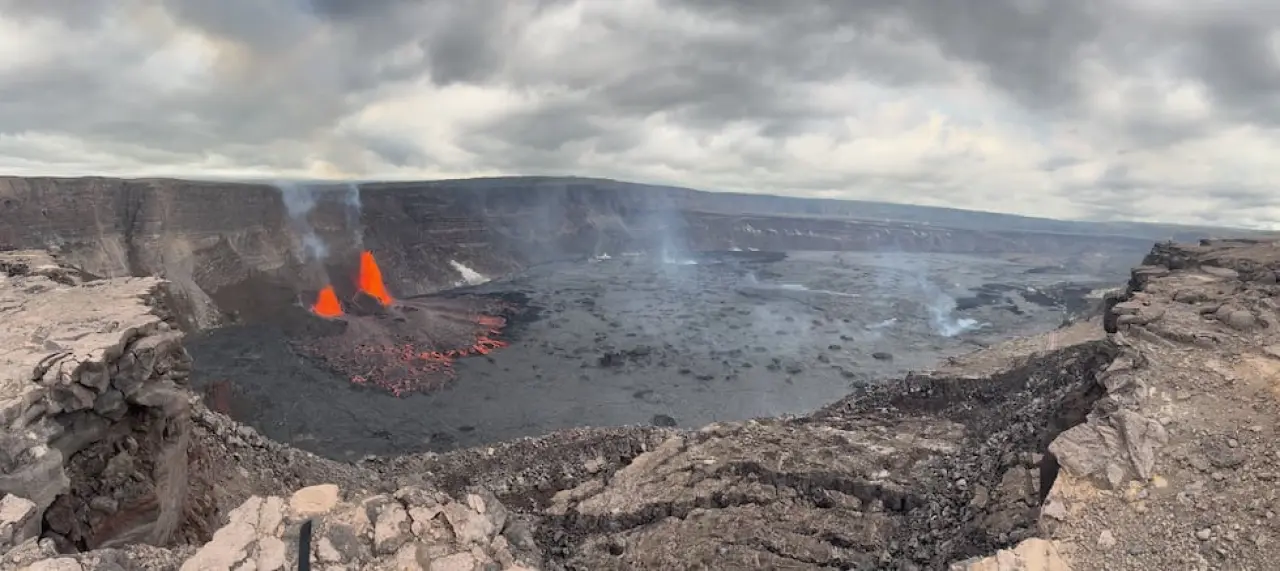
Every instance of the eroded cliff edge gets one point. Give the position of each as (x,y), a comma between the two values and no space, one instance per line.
(1141,440)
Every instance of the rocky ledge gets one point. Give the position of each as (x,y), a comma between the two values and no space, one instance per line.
(1142,439)
(95,431)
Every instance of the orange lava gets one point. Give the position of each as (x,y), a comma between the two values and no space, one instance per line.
(402,368)
(397,354)
(370,280)
(327,305)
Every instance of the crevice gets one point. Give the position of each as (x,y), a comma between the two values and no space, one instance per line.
(129,209)
(810,484)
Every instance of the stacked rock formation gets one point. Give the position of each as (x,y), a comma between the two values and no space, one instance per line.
(92,404)
(410,529)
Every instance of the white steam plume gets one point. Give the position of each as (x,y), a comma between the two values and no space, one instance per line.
(939,305)
(354,208)
(299,201)
(942,311)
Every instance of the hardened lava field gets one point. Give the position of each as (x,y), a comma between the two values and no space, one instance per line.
(614,341)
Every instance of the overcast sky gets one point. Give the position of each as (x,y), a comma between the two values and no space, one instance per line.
(1105,109)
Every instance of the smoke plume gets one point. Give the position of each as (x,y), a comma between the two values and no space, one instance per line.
(299,201)
(941,308)
(354,208)
(908,274)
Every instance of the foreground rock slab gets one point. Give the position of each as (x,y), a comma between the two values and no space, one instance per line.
(410,529)
(92,406)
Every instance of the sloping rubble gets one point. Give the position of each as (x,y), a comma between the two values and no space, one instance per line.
(1177,467)
(914,474)
(1151,446)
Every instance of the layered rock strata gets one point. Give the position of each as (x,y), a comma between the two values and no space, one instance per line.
(93,407)
(234,251)
(1176,468)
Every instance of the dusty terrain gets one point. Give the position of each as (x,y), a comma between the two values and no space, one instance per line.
(1151,430)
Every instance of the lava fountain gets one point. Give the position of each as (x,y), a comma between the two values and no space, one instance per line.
(370,279)
(327,304)
(402,346)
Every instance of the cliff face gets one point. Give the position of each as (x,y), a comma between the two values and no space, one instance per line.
(202,237)
(231,248)
(93,407)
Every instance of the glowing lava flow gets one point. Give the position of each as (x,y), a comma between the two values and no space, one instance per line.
(370,280)
(412,346)
(327,305)
(403,368)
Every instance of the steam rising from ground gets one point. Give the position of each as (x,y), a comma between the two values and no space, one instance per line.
(942,309)
(351,199)
(675,260)
(469,276)
(669,230)
(904,274)
(919,297)
(300,201)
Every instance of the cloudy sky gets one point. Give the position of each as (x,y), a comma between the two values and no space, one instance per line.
(1104,109)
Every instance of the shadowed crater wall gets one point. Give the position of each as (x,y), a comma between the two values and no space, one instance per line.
(656,305)
(235,250)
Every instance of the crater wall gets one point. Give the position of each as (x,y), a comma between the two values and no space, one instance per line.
(231,249)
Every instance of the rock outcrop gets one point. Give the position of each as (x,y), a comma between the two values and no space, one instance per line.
(409,529)
(1176,467)
(1144,439)
(92,401)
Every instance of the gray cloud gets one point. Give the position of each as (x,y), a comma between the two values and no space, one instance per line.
(1097,108)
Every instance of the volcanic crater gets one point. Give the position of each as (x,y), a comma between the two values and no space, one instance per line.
(352,369)
(606,310)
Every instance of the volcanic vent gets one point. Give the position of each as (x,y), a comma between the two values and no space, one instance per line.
(401,345)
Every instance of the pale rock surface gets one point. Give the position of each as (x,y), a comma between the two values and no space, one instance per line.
(55,564)
(1031,555)
(18,521)
(375,532)
(75,355)
(313,500)
(1176,468)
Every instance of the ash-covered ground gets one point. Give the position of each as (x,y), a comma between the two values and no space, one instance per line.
(650,340)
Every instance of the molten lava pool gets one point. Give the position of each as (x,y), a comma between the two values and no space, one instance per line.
(624,340)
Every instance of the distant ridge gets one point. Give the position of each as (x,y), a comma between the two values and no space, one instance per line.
(770,204)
